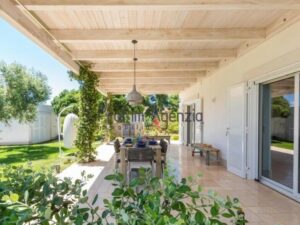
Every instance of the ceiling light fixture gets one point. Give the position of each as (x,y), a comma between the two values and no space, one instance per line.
(134,97)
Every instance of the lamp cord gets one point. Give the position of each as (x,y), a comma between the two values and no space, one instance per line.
(134,63)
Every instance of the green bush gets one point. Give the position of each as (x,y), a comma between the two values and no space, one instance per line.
(150,200)
(173,127)
(175,137)
(28,197)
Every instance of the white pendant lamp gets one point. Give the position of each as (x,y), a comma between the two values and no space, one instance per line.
(134,97)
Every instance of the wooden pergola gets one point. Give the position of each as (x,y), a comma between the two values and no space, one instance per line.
(180,41)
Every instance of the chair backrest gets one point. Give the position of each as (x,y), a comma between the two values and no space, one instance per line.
(140,155)
(117,146)
(164,145)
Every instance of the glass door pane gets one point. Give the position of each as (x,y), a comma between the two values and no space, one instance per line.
(277,143)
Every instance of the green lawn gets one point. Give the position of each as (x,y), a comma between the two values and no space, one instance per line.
(283,144)
(41,155)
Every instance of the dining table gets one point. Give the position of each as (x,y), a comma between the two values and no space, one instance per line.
(156,148)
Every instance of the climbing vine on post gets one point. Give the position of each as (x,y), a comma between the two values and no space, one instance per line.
(110,120)
(88,113)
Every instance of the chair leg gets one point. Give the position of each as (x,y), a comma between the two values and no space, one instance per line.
(151,163)
(116,163)
(207,158)
(128,171)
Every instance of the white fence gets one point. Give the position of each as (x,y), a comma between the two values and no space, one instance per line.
(43,129)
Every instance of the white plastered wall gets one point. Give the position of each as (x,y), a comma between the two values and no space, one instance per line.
(276,53)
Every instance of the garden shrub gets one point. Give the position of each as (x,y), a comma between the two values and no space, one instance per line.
(29,197)
(150,200)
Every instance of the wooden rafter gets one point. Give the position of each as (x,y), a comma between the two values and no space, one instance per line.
(155,54)
(162,4)
(127,67)
(153,75)
(153,85)
(216,34)
(150,81)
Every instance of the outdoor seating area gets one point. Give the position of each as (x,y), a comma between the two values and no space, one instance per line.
(140,150)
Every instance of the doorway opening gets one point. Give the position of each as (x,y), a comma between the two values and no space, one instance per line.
(279,134)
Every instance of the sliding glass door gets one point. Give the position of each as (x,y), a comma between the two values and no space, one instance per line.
(279,133)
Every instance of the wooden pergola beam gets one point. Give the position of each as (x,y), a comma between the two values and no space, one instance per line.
(205,34)
(153,90)
(153,75)
(146,92)
(149,86)
(161,4)
(128,67)
(154,54)
(149,81)
(13,15)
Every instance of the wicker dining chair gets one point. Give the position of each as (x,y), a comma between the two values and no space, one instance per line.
(164,148)
(135,155)
(117,147)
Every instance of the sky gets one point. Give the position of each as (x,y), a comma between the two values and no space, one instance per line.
(15,47)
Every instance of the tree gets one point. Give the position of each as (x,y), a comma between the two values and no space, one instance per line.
(280,107)
(121,107)
(21,91)
(72,97)
(64,99)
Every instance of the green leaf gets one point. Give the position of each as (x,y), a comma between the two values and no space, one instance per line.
(134,182)
(117,192)
(184,189)
(227,215)
(5,198)
(105,213)
(214,211)
(14,197)
(26,195)
(48,213)
(179,206)
(199,217)
(95,199)
(110,177)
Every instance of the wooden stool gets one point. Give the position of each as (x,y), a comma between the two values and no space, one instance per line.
(207,149)
(210,150)
(199,147)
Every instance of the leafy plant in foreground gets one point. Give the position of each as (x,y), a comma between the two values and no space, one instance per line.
(30,197)
(149,200)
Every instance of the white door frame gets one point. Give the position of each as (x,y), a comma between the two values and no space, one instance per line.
(190,103)
(253,148)
(243,172)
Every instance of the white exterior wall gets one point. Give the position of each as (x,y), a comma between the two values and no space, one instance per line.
(271,56)
(44,128)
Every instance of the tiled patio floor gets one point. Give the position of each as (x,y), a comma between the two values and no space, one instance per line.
(262,205)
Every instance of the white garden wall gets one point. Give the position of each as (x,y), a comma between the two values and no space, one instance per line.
(274,54)
(43,129)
